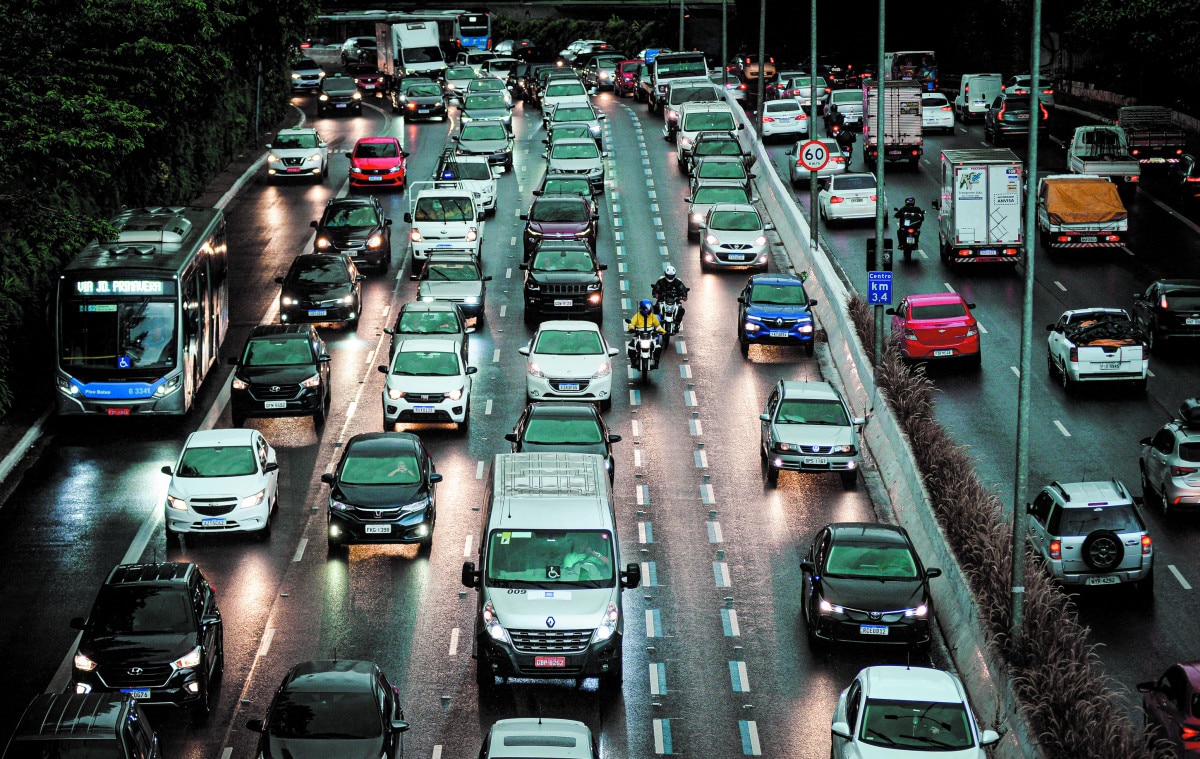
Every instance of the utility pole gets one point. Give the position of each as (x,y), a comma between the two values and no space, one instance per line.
(680,48)
(724,45)
(762,60)
(880,205)
(1021,480)
(814,216)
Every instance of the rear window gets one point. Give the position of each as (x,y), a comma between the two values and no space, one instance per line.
(1189,451)
(775,106)
(845,96)
(854,183)
(938,311)
(1119,519)
(695,122)
(934,101)
(565,89)
(721,170)
(1182,300)
(444,209)
(716,195)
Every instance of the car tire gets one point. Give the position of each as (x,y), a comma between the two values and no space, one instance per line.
(264,535)
(484,678)
(744,347)
(1102,550)
(611,681)
(772,474)
(606,404)
(849,479)
(1068,384)
(201,710)
(465,425)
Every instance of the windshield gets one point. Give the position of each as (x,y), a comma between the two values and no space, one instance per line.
(565,89)
(218,461)
(567,186)
(428,323)
(461,169)
(695,122)
(735,221)
(445,271)
(350,216)
(871,560)
(714,195)
(107,333)
(525,558)
(716,147)
(444,209)
(281,351)
(482,102)
(1181,300)
(577,342)
(486,84)
(134,610)
(608,61)
(574,150)
(694,95)
(376,150)
(721,170)
(461,72)
(938,311)
(559,210)
(916,726)
(425,364)
(826,411)
(671,69)
(493,131)
(421,54)
(423,91)
(339,85)
(325,270)
(295,141)
(563,432)
(563,260)
(855,182)
(377,466)
(779,295)
(318,715)
(573,113)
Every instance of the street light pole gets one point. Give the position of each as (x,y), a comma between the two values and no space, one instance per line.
(680,48)
(814,216)
(724,45)
(880,205)
(1021,480)
(762,60)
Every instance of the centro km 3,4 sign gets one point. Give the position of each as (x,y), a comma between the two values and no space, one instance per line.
(879,288)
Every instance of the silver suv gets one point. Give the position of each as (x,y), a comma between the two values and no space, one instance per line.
(1092,533)
(1170,462)
(807,427)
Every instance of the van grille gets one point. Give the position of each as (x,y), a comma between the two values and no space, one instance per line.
(550,641)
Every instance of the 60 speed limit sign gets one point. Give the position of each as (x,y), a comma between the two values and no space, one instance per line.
(814,155)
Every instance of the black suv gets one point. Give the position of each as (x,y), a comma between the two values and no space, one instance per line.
(1010,115)
(75,724)
(339,94)
(321,288)
(563,281)
(283,370)
(717,143)
(358,228)
(155,633)
(1169,308)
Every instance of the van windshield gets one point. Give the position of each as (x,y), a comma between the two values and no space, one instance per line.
(550,559)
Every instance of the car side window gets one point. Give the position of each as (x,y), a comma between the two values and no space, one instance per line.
(137,734)
(1174,687)
(1041,507)
(823,543)
(852,704)
(1053,520)
(996,102)
(772,401)
(1164,441)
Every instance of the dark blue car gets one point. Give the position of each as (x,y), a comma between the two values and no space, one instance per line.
(775,310)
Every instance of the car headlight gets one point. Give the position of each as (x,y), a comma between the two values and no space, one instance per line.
(179,504)
(397,167)
(806,329)
(471,300)
(320,74)
(409,508)
(454,395)
(685,142)
(697,217)
(324,96)
(337,505)
(603,74)
(760,240)
(251,501)
(472,235)
(272,158)
(357,96)
(357,170)
(168,387)
(374,241)
(240,384)
(604,370)
(828,608)
(394,393)
(190,660)
(415,235)
(534,370)
(311,382)
(287,300)
(608,625)
(752,327)
(295,75)
(313,157)
(920,612)
(84,664)
(532,286)
(346,299)
(492,624)
(711,239)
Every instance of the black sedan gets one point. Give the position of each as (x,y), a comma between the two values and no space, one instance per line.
(382,491)
(320,288)
(563,428)
(419,100)
(358,228)
(864,583)
(340,708)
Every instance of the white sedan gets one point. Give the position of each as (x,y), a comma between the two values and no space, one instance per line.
(893,711)
(936,112)
(224,481)
(845,197)
(784,117)
(569,361)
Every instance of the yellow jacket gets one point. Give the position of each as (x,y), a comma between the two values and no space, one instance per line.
(639,321)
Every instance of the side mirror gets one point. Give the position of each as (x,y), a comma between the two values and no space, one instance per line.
(605,154)
(538,193)
(602,116)
(382,369)
(602,267)
(469,330)
(842,730)
(510,437)
(472,369)
(971,305)
(487,278)
(387,222)
(359,277)
(398,726)
(741,299)
(267,146)
(1143,441)
(936,203)
(327,478)
(632,576)
(314,223)
(764,417)
(769,226)
(989,738)
(435,478)
(932,572)
(812,302)
(279,280)
(1049,327)
(614,438)
(254,724)
(612,352)
(470,578)
(77,623)
(523,266)
(524,217)
(405,153)
(1029,508)
(454,138)
(325,357)
(272,466)
(407,218)
(687,198)
(167,469)
(1146,687)
(524,351)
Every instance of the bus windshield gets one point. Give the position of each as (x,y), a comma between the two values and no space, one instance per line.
(116,333)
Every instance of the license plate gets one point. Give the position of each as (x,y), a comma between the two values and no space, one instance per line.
(375,179)
(213,521)
(1105,580)
(422,110)
(815,461)
(1192,321)
(943,352)
(568,386)
(340,105)
(423,409)
(895,152)
(857,200)
(143,694)
(779,333)
(549,661)
(271,405)
(118,412)
(317,312)
(377,529)
(564,303)
(873,629)
(987,252)
(1088,239)
(294,170)
(737,256)
(1111,365)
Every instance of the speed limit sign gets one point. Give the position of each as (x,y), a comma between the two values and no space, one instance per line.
(814,155)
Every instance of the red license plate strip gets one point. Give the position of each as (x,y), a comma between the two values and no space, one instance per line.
(118,412)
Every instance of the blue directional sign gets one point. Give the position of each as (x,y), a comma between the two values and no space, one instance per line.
(879,288)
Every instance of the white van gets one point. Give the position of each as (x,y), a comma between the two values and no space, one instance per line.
(975,93)
(695,118)
(444,216)
(549,577)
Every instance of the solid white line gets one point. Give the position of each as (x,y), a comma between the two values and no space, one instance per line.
(479,471)
(1186,585)
(437,752)
(299,554)
(981,329)
(265,646)
(454,642)
(467,547)
(1060,285)
(949,287)
(1061,428)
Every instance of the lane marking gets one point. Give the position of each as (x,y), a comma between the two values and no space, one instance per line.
(650,573)
(662,736)
(681,347)
(637,458)
(616,208)
(626,304)
(299,554)
(508,273)
(658,679)
(624,285)
(487,409)
(653,623)
(721,574)
(660,236)
(1061,428)
(694,427)
(1016,371)
(729,622)
(503,310)
(265,646)
(981,329)
(645,532)
(479,471)
(643,494)
(496,356)
(749,731)
(657,220)
(618,235)
(714,532)
(707,497)
(437,752)
(512,240)
(701,459)
(636,426)
(662,251)
(949,287)
(1186,585)
(454,642)
(651,193)
(654,210)
(689,398)
(635,397)
(1060,285)
(738,677)
(467,547)
(618,222)
(685,371)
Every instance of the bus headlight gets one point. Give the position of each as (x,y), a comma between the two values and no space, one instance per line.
(66,386)
(168,387)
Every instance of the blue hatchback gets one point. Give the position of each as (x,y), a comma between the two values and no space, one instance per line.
(775,310)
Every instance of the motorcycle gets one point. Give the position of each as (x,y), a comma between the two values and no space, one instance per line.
(845,140)
(668,313)
(641,350)
(909,233)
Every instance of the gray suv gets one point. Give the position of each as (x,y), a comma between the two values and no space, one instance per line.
(807,427)
(76,724)
(1092,533)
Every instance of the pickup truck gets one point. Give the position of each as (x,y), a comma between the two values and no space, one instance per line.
(1104,151)
(1080,211)
(1096,345)
(1151,132)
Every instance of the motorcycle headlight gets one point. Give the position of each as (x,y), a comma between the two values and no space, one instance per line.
(190,660)
(179,504)
(492,624)
(251,501)
(608,625)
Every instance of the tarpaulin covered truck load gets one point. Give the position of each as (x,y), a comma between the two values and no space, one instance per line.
(1080,211)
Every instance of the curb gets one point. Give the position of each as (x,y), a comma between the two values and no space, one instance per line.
(9,462)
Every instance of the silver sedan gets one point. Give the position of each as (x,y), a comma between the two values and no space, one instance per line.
(733,236)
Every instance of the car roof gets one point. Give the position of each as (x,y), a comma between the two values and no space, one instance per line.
(562,325)
(506,736)
(808,389)
(331,675)
(347,200)
(165,573)
(376,140)
(1178,284)
(874,532)
(220,437)
(912,684)
(384,441)
(934,299)
(851,174)
(575,141)
(1092,494)
(734,207)
(297,130)
(776,279)
(430,305)
(428,345)
(304,260)
(59,716)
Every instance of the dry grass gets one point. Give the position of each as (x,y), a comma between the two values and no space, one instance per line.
(1072,706)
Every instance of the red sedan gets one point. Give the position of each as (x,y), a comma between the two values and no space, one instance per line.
(1172,706)
(935,326)
(377,162)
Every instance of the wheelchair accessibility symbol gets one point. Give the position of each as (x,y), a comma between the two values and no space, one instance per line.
(124,362)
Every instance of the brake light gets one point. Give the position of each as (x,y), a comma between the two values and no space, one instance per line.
(1192,179)
(1048,92)
(873,198)
(1162,302)
(1045,113)
(832,159)
(910,335)
(1056,549)
(741,86)
(1074,355)
(1000,115)
(768,119)
(947,108)
(837,199)
(1188,733)
(1180,471)
(1146,544)
(967,90)
(1010,251)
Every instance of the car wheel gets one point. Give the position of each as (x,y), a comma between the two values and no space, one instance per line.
(177,537)
(1151,496)
(465,424)
(484,677)
(606,404)
(611,681)
(264,535)
(850,479)
(771,472)
(1068,385)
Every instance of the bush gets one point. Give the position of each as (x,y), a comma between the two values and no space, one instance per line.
(1073,707)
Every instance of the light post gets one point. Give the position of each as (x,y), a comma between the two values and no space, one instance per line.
(724,45)
(680,48)
(880,205)
(762,60)
(814,216)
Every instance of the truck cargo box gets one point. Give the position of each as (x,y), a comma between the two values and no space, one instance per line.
(1083,201)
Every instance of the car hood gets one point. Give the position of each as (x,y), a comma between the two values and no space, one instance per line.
(137,650)
(484,146)
(569,366)
(596,448)
(574,165)
(559,228)
(276,375)
(321,748)
(863,751)
(563,277)
(448,290)
(317,290)
(381,496)
(216,487)
(771,311)
(377,163)
(814,434)
(872,595)
(736,236)
(296,152)
(424,100)
(476,114)
(348,234)
(439,384)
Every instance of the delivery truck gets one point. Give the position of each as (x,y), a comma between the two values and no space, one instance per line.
(979,210)
(1080,211)
(1152,133)
(409,48)
(901,128)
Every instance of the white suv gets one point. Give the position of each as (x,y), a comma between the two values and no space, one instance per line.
(427,382)
(444,217)
(298,152)
(516,737)
(224,481)
(1092,533)
(569,361)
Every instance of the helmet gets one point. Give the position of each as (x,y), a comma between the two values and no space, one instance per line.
(669,272)
(833,108)
(644,307)
(910,201)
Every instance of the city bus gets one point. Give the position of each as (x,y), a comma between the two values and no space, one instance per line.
(457,29)
(913,65)
(139,319)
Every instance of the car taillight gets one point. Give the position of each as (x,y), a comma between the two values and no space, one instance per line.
(768,120)
(1162,302)
(967,90)
(947,108)
(1192,179)
(1010,251)
(832,159)
(1045,113)
(1146,543)
(1188,733)
(837,199)
(1056,549)
(873,198)
(1000,114)
(1074,355)
(909,334)
(1180,471)
(741,86)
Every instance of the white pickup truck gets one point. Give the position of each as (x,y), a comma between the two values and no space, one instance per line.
(1096,345)
(1104,150)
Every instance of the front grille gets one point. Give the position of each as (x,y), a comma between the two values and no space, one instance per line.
(550,641)
(425,397)
(352,245)
(275,392)
(779,323)
(818,449)
(145,676)
(565,289)
(386,514)
(214,507)
(557,384)
(293,161)
(890,617)
(736,245)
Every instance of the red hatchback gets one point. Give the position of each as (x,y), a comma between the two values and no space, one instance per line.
(1172,705)
(625,79)
(936,326)
(377,162)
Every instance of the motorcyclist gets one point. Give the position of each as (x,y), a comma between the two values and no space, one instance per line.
(669,285)
(834,117)
(910,215)
(845,139)
(645,318)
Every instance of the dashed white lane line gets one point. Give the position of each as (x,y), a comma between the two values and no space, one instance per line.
(479,471)
(702,459)
(681,347)
(512,240)
(637,458)
(636,427)
(1016,371)
(729,622)
(949,287)
(749,731)
(503,310)
(496,356)
(981,329)
(299,554)
(707,496)
(721,574)
(714,532)
(643,495)
(658,678)
(508,273)
(265,646)
(689,398)
(467,547)
(437,752)
(635,397)
(1061,428)
(454,642)
(695,428)
(487,409)
(1186,585)
(1060,285)
(685,371)
(738,677)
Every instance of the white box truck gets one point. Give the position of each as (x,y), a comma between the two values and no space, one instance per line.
(979,210)
(409,48)
(901,129)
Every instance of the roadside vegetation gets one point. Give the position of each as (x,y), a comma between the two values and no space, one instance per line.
(1073,707)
